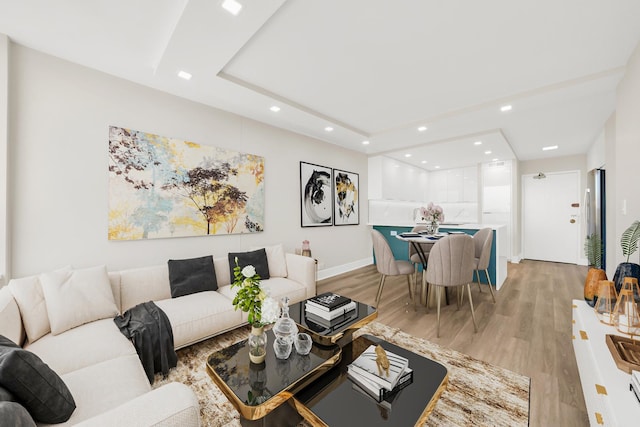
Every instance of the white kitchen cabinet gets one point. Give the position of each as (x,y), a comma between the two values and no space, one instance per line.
(470,184)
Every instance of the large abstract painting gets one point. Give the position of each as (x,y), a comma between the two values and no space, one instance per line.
(164,187)
(345,190)
(316,205)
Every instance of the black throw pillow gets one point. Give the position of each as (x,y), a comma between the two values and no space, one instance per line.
(34,385)
(15,415)
(256,258)
(189,276)
(5,396)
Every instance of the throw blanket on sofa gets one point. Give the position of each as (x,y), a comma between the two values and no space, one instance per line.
(149,328)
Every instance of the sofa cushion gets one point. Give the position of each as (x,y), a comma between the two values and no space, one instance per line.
(77,297)
(10,319)
(199,316)
(190,276)
(15,415)
(6,396)
(138,285)
(92,343)
(28,294)
(276,259)
(257,258)
(106,385)
(33,384)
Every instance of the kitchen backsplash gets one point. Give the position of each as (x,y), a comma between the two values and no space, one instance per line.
(391,212)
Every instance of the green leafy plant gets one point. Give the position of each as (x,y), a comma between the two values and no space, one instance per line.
(629,239)
(593,250)
(252,298)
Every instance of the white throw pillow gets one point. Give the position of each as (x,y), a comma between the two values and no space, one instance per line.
(276,259)
(77,297)
(27,292)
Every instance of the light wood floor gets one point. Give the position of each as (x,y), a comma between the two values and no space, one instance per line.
(527,331)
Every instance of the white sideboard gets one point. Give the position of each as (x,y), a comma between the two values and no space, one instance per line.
(605,387)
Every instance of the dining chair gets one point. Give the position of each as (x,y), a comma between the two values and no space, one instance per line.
(387,265)
(482,241)
(451,263)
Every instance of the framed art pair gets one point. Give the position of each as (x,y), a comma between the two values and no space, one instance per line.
(328,196)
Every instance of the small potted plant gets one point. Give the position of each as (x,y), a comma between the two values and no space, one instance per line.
(629,243)
(262,309)
(593,251)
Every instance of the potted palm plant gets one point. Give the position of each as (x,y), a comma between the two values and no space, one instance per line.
(629,243)
(593,251)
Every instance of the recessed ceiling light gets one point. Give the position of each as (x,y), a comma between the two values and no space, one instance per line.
(365,142)
(550,147)
(231,6)
(494,160)
(422,128)
(487,152)
(477,143)
(329,129)
(408,155)
(424,162)
(506,108)
(437,167)
(184,75)
(274,108)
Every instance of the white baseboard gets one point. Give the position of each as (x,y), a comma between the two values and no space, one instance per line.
(516,259)
(344,268)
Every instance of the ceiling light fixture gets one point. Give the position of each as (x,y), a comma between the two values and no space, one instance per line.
(487,152)
(231,6)
(365,142)
(550,147)
(329,129)
(422,128)
(494,160)
(506,108)
(274,108)
(408,155)
(184,75)
(477,143)
(424,162)
(437,167)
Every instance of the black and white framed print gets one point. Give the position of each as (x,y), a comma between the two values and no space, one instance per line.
(316,203)
(346,203)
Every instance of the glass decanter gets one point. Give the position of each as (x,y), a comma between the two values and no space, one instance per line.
(285,327)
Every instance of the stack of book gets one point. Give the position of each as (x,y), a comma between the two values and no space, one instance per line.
(379,385)
(329,309)
(635,384)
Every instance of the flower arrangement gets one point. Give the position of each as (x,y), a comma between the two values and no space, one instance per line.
(432,213)
(252,298)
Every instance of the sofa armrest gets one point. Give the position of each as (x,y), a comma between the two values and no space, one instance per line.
(10,318)
(302,269)
(173,404)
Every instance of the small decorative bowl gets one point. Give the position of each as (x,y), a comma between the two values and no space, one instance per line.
(303,343)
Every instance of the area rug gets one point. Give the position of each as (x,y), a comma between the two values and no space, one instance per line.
(478,393)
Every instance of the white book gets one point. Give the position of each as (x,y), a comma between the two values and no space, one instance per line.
(330,315)
(373,389)
(366,366)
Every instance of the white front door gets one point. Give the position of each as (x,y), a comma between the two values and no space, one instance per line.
(551,217)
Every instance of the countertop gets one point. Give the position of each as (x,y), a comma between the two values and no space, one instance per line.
(455,226)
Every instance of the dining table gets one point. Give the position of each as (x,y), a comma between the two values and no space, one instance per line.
(420,242)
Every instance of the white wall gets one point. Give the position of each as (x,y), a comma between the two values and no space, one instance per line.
(610,203)
(4,95)
(625,161)
(596,153)
(58,139)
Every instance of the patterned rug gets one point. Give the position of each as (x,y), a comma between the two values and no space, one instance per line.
(478,393)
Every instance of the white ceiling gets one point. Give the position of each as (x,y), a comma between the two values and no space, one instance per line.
(372,69)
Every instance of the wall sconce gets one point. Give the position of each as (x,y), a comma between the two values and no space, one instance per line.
(606,300)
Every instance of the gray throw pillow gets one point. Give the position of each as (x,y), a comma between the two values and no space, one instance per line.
(15,415)
(188,276)
(33,384)
(5,396)
(257,258)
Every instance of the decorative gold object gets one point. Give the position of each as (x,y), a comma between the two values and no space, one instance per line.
(626,310)
(381,360)
(606,301)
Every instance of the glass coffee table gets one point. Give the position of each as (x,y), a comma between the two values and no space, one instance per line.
(258,389)
(340,331)
(333,400)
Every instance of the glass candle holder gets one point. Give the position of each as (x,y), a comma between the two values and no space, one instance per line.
(282,347)
(606,301)
(303,343)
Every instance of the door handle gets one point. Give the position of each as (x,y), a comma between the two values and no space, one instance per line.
(572,221)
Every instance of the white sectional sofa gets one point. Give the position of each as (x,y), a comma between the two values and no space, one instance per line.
(100,366)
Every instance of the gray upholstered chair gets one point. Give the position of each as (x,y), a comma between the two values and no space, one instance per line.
(451,263)
(482,242)
(414,256)
(387,265)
